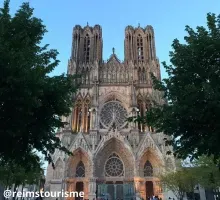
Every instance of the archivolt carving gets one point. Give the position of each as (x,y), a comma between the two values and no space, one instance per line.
(147,143)
(120,148)
(80,142)
(148,160)
(72,164)
(109,136)
(112,94)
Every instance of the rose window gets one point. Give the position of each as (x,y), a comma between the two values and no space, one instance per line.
(148,169)
(114,166)
(113,114)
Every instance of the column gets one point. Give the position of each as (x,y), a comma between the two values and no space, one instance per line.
(137,188)
(91,119)
(87,118)
(78,118)
(141,114)
(92,188)
(115,191)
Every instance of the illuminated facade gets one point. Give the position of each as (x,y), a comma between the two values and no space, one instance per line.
(111,156)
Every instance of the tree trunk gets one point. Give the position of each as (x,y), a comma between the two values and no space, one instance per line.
(15,192)
(22,192)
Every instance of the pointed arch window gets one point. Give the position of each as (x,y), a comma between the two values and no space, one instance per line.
(86,48)
(140,49)
(80,170)
(58,169)
(83,76)
(144,75)
(140,75)
(148,169)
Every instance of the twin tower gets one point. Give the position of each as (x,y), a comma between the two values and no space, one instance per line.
(139,44)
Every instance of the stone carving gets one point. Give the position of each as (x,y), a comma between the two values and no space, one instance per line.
(58,172)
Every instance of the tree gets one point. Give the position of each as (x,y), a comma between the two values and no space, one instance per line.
(192,92)
(180,182)
(207,172)
(13,175)
(31,101)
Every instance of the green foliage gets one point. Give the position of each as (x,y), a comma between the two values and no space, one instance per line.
(207,172)
(192,91)
(202,171)
(14,173)
(30,100)
(180,182)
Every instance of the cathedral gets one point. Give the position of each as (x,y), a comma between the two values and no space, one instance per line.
(112,158)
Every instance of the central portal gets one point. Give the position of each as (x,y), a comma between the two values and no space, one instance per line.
(116,191)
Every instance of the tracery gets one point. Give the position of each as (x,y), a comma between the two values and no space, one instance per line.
(114,166)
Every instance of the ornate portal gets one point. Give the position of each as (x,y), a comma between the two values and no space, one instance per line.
(113,113)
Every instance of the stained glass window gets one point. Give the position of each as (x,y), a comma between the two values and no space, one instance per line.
(114,166)
(148,169)
(80,170)
(113,113)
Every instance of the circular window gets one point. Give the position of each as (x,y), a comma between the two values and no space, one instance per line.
(114,166)
(113,113)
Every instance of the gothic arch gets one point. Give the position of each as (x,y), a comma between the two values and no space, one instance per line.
(79,155)
(116,146)
(80,169)
(87,31)
(148,169)
(139,31)
(113,95)
(150,156)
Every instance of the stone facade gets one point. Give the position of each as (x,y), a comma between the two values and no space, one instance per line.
(109,154)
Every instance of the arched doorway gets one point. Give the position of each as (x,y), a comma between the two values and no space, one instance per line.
(114,162)
(79,188)
(149,189)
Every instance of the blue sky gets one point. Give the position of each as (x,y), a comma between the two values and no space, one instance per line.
(168,17)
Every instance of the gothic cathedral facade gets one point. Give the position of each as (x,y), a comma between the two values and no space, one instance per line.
(112,159)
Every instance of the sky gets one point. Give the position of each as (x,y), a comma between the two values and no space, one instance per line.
(168,18)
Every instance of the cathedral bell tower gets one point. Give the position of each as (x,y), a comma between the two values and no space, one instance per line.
(139,44)
(87,44)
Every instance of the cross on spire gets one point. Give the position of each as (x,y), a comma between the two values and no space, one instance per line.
(138,25)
